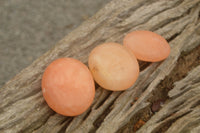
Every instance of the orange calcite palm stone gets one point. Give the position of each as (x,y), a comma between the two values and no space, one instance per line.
(68,86)
(113,66)
(147,45)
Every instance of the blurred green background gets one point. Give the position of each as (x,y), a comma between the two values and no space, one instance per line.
(29,28)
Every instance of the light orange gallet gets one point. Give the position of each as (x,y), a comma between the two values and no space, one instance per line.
(147,45)
(113,66)
(68,86)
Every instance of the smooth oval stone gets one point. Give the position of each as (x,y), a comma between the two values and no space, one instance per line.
(147,46)
(68,86)
(113,66)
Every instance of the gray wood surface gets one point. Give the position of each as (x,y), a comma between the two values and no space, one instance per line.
(23,109)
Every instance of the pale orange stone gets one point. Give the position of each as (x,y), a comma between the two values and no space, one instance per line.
(147,45)
(113,66)
(68,86)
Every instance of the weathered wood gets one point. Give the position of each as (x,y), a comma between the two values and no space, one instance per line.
(184,106)
(23,109)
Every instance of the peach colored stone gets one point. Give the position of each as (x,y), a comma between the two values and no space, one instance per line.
(113,66)
(68,86)
(147,45)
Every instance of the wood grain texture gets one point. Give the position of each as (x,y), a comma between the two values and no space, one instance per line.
(23,109)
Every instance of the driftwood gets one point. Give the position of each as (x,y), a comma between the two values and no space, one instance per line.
(23,109)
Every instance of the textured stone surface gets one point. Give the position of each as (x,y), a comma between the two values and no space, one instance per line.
(30,28)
